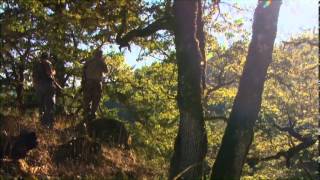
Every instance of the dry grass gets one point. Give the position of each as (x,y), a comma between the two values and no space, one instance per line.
(115,163)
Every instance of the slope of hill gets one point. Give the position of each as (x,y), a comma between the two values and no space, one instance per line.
(77,160)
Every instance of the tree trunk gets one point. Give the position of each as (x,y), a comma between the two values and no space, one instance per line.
(202,43)
(238,135)
(191,141)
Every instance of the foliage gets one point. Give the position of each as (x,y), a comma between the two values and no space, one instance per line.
(145,98)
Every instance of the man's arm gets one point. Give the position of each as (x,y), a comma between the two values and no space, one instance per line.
(49,69)
(85,66)
(104,66)
(84,69)
(35,76)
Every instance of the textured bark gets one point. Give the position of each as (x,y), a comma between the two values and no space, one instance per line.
(191,141)
(239,132)
(202,43)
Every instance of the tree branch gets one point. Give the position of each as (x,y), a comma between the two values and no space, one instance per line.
(305,143)
(160,24)
(208,118)
(218,86)
(286,154)
(290,130)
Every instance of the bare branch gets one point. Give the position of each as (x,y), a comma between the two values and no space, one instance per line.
(218,86)
(290,130)
(208,118)
(305,143)
(160,24)
(286,154)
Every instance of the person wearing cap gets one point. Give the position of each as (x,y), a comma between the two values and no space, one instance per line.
(92,84)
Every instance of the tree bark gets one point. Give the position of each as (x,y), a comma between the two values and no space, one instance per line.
(202,43)
(238,135)
(191,141)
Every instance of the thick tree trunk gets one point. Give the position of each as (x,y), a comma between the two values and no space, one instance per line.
(191,141)
(202,43)
(239,132)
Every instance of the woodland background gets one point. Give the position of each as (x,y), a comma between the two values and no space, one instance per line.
(144,98)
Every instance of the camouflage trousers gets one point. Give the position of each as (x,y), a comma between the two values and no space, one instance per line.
(91,97)
(46,97)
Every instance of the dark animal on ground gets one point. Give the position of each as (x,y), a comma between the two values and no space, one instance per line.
(78,149)
(17,147)
(109,131)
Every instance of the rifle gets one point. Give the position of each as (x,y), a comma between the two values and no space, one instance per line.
(53,79)
(57,84)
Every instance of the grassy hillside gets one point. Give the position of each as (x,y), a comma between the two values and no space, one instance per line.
(42,163)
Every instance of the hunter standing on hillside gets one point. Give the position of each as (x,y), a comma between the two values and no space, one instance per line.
(46,86)
(92,84)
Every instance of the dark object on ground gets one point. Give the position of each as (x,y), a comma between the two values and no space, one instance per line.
(82,149)
(109,131)
(17,147)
